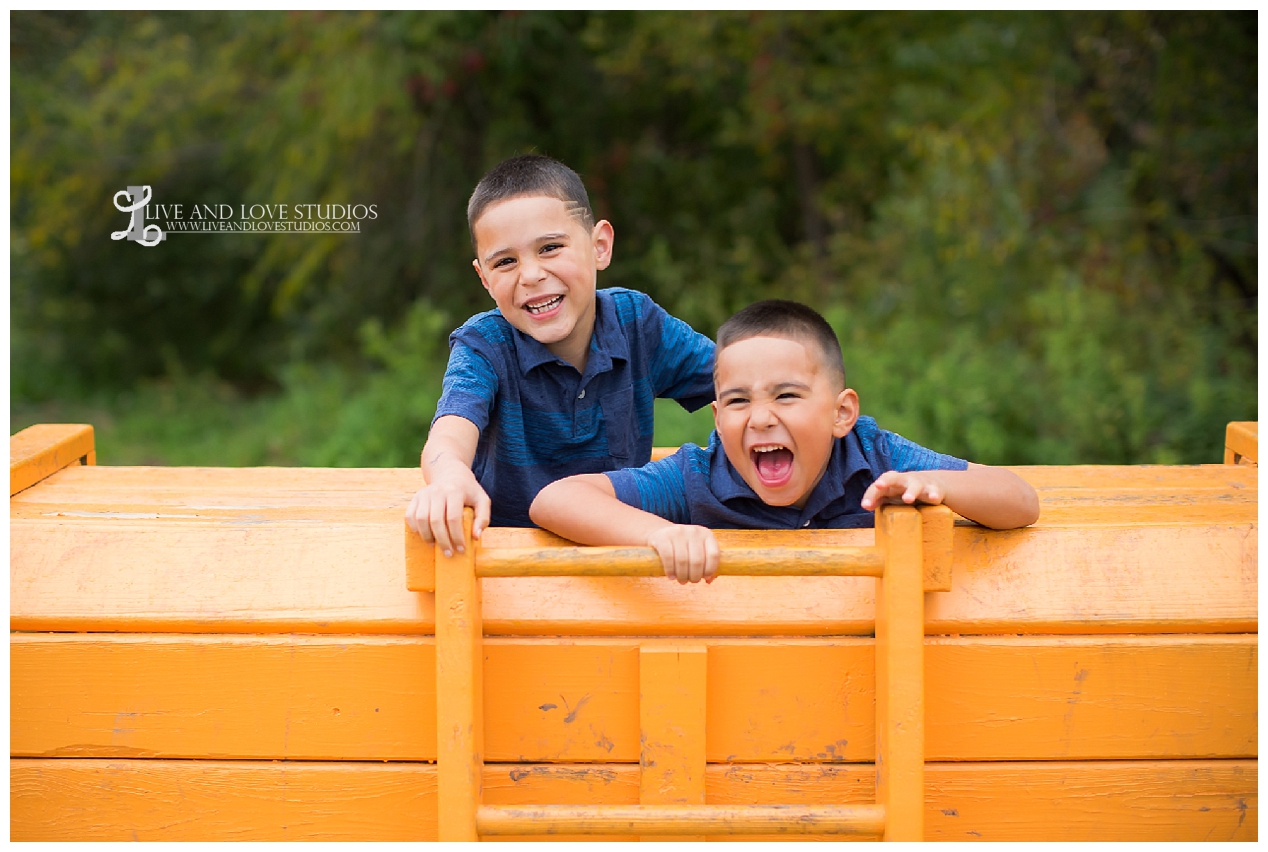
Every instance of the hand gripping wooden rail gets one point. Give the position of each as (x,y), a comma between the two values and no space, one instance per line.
(896,560)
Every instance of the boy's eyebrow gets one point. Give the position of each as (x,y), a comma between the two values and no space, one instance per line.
(774,388)
(553,236)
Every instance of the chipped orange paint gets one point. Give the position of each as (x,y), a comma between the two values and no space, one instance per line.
(671,714)
(306,800)
(1166,553)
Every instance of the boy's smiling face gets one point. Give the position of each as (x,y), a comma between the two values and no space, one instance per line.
(778,412)
(539,263)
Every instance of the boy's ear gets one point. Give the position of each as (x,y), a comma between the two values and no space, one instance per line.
(475,264)
(847,413)
(602,236)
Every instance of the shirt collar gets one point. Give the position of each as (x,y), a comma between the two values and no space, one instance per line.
(846,461)
(606,342)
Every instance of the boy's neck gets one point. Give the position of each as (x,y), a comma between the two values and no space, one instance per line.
(575,348)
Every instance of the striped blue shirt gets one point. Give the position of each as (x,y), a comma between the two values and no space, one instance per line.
(699,485)
(541,420)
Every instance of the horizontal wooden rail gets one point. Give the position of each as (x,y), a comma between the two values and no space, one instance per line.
(643,562)
(661,820)
(511,553)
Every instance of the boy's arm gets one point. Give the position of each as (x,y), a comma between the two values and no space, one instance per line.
(991,496)
(585,509)
(435,513)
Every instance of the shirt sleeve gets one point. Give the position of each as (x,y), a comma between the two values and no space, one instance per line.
(682,367)
(657,487)
(468,388)
(906,456)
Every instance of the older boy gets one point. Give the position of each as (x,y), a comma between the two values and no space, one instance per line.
(560,379)
(790,450)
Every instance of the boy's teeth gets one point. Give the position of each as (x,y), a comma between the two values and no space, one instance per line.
(768,449)
(543,306)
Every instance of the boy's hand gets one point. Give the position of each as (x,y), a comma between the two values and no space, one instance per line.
(688,553)
(435,513)
(895,487)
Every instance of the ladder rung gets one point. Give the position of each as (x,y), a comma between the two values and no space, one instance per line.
(643,562)
(714,820)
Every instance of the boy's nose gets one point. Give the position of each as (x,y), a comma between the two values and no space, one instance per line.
(531,271)
(760,416)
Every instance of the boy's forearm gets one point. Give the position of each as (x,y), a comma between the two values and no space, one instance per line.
(585,509)
(450,448)
(991,496)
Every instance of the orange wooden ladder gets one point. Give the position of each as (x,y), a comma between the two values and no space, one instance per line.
(896,560)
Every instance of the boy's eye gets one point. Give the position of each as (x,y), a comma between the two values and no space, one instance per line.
(549,247)
(788,395)
(501,262)
(735,400)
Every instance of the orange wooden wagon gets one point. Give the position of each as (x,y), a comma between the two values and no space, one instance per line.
(213,653)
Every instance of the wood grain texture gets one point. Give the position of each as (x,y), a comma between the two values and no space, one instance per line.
(459,692)
(312,550)
(666,822)
(38,452)
(76,799)
(900,675)
(671,712)
(576,700)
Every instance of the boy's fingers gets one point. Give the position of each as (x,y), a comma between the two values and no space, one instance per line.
(711,558)
(695,561)
(453,518)
(483,510)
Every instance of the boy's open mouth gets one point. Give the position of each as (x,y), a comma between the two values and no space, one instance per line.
(544,306)
(773,464)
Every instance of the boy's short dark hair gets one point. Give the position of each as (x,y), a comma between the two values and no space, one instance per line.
(783,318)
(529,174)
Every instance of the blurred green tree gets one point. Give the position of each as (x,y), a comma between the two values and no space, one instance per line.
(1035,232)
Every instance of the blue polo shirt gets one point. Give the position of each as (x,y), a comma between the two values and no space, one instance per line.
(541,420)
(699,485)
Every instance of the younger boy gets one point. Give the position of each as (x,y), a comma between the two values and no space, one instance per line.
(790,451)
(560,379)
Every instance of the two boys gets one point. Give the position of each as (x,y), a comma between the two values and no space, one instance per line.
(790,449)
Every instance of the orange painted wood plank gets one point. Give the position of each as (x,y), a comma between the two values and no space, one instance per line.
(459,691)
(671,712)
(1241,441)
(900,667)
(38,452)
(786,700)
(1005,697)
(153,576)
(556,700)
(1084,698)
(296,697)
(1036,801)
(247,575)
(1101,580)
(1164,477)
(230,487)
(250,800)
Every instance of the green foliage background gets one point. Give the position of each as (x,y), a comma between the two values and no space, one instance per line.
(1034,232)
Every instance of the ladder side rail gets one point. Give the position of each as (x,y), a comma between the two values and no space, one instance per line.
(900,634)
(459,691)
